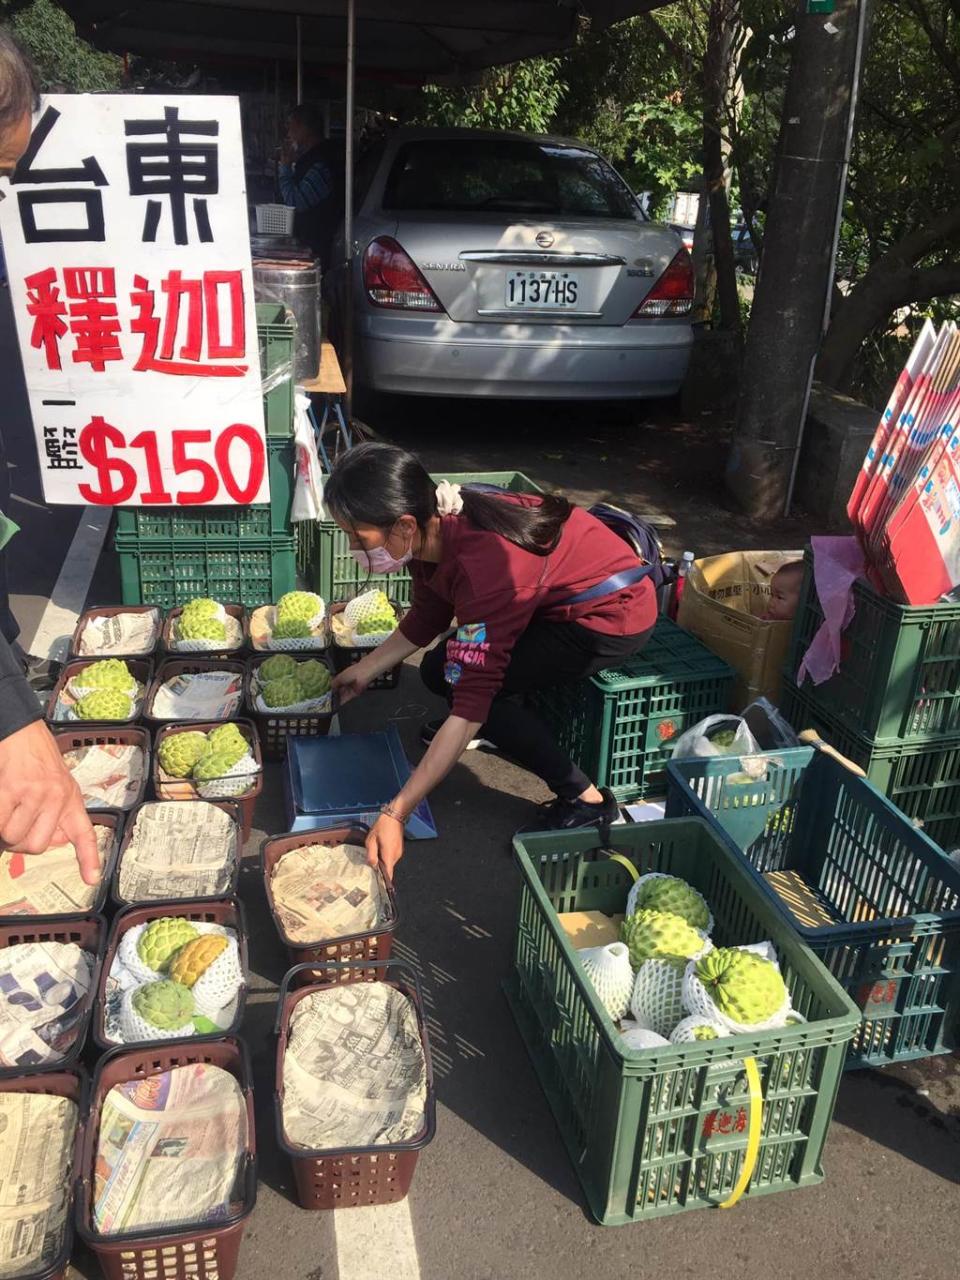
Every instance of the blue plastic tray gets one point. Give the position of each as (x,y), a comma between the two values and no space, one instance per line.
(330,780)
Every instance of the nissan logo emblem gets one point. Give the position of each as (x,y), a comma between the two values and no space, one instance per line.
(544,239)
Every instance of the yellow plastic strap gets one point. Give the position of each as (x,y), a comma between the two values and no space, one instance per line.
(753,1133)
(625,862)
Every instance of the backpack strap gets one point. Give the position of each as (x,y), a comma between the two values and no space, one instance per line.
(608,587)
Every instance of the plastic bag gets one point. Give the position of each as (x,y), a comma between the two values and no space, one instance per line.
(717,736)
(308,483)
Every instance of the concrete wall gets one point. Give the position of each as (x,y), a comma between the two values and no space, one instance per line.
(835,440)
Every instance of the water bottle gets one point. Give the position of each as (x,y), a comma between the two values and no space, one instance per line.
(686,560)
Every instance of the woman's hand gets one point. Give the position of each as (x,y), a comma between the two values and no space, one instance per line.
(384,844)
(40,804)
(351,683)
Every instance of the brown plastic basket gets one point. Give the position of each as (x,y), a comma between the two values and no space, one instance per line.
(167,788)
(228,806)
(225,911)
(88,932)
(112,819)
(111,611)
(169,648)
(72,1084)
(187,666)
(275,727)
(344,657)
(206,1251)
(140,668)
(348,1177)
(374,945)
(72,739)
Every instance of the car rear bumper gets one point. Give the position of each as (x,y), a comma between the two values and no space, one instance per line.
(436,356)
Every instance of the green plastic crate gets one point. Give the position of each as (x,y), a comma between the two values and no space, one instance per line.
(260,520)
(881,902)
(276,332)
(660,1131)
(244,572)
(337,576)
(619,725)
(899,675)
(921,779)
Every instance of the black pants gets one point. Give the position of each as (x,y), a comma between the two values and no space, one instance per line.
(547,653)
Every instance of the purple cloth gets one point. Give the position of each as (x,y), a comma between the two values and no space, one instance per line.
(837,563)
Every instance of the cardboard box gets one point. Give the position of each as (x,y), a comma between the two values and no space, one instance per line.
(722,604)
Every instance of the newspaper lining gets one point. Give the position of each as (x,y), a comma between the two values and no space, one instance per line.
(49,884)
(36,1158)
(178,849)
(322,893)
(129,634)
(43,996)
(109,774)
(354,1072)
(203,695)
(170,1150)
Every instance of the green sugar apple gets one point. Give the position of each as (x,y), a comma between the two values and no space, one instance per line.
(313,678)
(704,1032)
(201,607)
(291,629)
(215,764)
(200,626)
(105,704)
(378,615)
(181,751)
(282,693)
(162,939)
(109,673)
(670,893)
(658,935)
(275,668)
(298,605)
(165,1005)
(228,737)
(745,987)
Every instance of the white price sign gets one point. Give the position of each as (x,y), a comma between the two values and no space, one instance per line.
(128,254)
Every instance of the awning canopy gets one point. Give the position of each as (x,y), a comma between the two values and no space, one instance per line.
(418,40)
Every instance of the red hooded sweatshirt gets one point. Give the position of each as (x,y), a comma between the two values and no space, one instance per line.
(494,589)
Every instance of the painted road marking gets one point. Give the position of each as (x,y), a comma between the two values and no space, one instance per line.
(51,640)
(376,1240)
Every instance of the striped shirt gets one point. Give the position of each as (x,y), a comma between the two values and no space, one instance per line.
(312,189)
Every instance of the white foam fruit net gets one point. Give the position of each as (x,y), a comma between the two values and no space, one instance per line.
(219,984)
(233,639)
(359,610)
(303,643)
(683,1032)
(312,706)
(638,884)
(698,1000)
(237,780)
(657,999)
(608,969)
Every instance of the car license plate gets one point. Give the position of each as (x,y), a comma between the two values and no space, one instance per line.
(542,290)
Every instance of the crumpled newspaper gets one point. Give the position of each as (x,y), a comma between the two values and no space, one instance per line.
(43,990)
(36,1166)
(178,849)
(108,774)
(322,893)
(203,695)
(128,634)
(49,884)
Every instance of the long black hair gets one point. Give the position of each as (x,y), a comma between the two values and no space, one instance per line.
(378,483)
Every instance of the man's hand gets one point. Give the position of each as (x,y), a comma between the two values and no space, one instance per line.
(384,844)
(287,151)
(40,804)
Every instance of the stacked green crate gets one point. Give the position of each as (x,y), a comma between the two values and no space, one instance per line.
(238,553)
(893,706)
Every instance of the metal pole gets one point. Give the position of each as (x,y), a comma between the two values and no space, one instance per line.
(348,200)
(299,59)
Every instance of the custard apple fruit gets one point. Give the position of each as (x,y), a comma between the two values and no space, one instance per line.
(201,607)
(165,1005)
(196,957)
(695,1027)
(180,752)
(228,737)
(105,704)
(275,668)
(670,893)
(162,939)
(200,626)
(282,693)
(291,629)
(109,673)
(301,605)
(313,678)
(658,935)
(213,765)
(377,616)
(745,987)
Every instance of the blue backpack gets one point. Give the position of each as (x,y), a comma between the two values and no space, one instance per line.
(640,535)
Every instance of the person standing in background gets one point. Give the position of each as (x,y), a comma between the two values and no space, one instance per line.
(40,804)
(308,180)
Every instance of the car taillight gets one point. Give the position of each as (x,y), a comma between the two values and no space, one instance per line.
(392,279)
(672,295)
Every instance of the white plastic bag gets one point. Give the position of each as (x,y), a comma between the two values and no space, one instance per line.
(712,737)
(308,483)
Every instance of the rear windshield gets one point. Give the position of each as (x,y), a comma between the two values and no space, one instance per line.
(509,175)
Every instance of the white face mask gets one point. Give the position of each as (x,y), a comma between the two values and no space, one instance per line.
(379,560)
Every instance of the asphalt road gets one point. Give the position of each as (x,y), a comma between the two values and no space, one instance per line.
(495,1196)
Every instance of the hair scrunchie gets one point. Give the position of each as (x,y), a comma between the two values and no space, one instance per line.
(449,502)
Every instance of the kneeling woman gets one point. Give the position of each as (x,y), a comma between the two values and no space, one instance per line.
(537,590)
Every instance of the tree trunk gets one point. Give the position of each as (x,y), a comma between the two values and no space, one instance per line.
(788,306)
